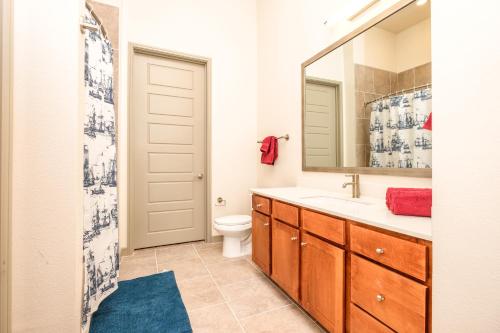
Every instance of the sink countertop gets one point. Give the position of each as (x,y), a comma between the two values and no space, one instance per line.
(370,211)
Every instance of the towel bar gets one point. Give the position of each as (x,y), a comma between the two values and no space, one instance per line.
(286,137)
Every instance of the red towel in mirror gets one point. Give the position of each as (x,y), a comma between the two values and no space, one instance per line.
(269,149)
(428,123)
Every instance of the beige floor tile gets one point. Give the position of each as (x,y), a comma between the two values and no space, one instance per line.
(214,319)
(175,252)
(131,270)
(252,297)
(184,269)
(212,253)
(140,260)
(199,292)
(233,271)
(288,319)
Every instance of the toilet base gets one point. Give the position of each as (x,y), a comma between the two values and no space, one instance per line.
(233,247)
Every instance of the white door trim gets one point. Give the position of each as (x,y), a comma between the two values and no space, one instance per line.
(135,48)
(5,164)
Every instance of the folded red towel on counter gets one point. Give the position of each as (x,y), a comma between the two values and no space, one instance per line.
(269,149)
(409,201)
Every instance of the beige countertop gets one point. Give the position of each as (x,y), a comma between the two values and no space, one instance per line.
(366,210)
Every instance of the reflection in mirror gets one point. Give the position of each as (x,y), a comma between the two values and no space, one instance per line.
(368,102)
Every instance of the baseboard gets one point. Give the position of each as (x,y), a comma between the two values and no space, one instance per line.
(215,239)
(125,252)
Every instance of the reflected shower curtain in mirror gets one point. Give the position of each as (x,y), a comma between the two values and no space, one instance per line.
(397,136)
(100,225)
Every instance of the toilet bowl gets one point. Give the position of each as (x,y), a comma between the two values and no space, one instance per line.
(236,231)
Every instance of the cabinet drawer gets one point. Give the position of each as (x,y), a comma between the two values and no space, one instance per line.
(397,301)
(324,226)
(261,204)
(402,255)
(286,213)
(361,322)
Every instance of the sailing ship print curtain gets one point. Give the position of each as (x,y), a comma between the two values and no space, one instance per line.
(397,136)
(100,225)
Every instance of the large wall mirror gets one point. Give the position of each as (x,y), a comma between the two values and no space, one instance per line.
(367,100)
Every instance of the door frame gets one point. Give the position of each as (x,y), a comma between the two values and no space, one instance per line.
(134,49)
(6,96)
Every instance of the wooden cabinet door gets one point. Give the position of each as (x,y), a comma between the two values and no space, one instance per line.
(261,241)
(285,258)
(322,282)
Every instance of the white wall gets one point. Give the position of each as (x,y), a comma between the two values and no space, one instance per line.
(466,228)
(408,52)
(289,33)
(47,168)
(376,48)
(226,32)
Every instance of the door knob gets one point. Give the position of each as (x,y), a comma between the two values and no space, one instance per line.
(380,298)
(303,243)
(200,176)
(293,238)
(379,250)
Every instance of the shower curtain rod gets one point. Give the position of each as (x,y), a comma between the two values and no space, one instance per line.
(399,92)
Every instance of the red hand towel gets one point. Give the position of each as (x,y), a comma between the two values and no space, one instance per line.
(269,150)
(428,123)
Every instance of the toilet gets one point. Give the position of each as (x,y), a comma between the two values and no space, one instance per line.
(236,231)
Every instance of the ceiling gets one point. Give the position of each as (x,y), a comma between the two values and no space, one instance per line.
(406,17)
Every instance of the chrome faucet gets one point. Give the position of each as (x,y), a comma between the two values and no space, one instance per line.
(354,184)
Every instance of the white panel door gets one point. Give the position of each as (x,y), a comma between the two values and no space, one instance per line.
(168,151)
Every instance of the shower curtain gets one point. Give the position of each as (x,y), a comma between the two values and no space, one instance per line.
(397,137)
(100,225)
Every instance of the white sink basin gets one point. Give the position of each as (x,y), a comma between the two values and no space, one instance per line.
(324,200)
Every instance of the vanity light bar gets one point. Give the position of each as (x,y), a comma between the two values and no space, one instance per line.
(363,9)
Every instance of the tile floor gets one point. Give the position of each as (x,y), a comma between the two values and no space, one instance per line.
(221,294)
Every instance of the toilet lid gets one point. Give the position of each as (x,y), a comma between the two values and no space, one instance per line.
(233,220)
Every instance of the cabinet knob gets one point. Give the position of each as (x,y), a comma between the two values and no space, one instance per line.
(258,205)
(294,238)
(379,250)
(266,224)
(303,243)
(380,298)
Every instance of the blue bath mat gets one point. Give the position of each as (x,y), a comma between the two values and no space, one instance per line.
(148,304)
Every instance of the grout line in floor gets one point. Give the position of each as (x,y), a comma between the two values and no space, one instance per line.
(220,291)
(270,310)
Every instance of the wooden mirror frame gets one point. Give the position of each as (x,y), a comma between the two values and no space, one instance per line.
(423,173)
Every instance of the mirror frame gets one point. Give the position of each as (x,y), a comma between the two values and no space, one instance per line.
(423,173)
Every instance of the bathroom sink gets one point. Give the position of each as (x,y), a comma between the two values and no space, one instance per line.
(325,200)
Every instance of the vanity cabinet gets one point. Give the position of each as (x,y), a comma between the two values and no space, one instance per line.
(285,258)
(322,281)
(261,241)
(349,276)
